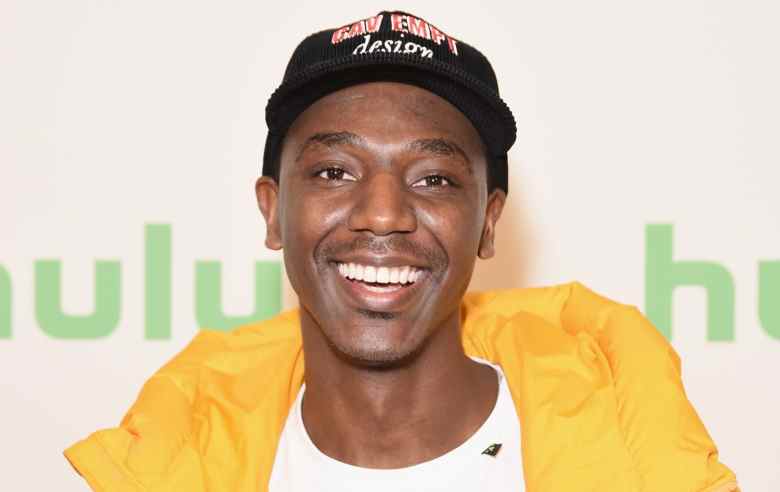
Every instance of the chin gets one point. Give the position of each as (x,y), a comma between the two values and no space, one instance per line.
(377,360)
(370,349)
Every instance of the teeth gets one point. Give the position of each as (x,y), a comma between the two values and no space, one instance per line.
(382,275)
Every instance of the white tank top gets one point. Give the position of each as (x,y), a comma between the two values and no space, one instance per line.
(490,460)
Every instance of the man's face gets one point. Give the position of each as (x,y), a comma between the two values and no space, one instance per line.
(385,182)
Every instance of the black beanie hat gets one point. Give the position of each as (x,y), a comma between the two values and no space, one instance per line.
(397,47)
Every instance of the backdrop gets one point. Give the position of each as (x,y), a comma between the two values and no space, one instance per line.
(131,134)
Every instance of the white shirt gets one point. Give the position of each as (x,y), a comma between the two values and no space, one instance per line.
(300,466)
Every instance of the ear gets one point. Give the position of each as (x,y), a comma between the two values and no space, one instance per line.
(495,205)
(267,192)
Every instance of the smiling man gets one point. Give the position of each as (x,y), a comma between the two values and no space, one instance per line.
(385,174)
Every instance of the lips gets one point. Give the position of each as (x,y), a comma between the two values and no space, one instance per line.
(380,288)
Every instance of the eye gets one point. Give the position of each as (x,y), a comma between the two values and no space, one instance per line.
(432,181)
(335,174)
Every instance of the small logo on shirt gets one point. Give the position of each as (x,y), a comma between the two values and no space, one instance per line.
(492,450)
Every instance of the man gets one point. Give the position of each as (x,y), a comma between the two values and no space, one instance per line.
(385,174)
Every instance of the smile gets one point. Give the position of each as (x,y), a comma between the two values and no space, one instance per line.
(369,281)
(379,275)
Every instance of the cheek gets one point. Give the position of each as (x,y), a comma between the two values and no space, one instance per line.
(305,222)
(457,227)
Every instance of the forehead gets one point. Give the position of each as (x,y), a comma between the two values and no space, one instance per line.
(386,113)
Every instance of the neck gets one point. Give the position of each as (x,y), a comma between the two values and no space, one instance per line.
(399,416)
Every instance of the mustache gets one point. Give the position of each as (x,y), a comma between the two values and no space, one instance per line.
(434,258)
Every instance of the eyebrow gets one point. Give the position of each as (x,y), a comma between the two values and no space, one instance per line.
(441,147)
(436,146)
(330,140)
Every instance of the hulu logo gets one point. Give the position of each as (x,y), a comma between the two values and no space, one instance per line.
(663,274)
(158,289)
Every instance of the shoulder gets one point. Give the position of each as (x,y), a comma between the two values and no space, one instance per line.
(554,335)
(166,423)
(571,307)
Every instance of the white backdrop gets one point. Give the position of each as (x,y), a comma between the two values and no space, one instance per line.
(117,114)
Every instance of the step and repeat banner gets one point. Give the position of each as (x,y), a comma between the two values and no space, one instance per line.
(647,167)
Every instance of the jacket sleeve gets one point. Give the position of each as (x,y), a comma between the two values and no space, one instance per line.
(665,437)
(137,453)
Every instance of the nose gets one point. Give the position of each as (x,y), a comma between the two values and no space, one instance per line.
(382,207)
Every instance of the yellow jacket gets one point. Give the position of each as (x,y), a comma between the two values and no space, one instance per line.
(596,386)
